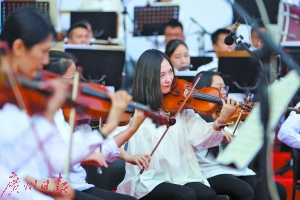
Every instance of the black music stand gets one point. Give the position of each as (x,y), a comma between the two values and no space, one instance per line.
(8,6)
(199,61)
(242,70)
(186,75)
(151,21)
(104,24)
(99,63)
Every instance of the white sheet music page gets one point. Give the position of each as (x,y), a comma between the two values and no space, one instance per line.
(245,146)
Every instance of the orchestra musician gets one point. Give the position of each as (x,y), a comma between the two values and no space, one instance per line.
(173,171)
(217,39)
(31,146)
(241,181)
(78,33)
(179,55)
(62,64)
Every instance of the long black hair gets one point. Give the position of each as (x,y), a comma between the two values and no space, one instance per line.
(172,46)
(206,81)
(59,62)
(146,81)
(30,24)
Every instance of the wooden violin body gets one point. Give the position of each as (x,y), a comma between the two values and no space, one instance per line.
(204,101)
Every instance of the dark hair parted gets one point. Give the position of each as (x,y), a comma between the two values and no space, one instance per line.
(59,62)
(146,81)
(80,24)
(30,24)
(215,35)
(174,23)
(206,81)
(172,46)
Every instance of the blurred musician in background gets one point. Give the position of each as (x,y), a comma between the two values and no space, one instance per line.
(179,55)
(217,39)
(78,34)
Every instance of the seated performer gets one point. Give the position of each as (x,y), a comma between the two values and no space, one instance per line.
(173,172)
(241,181)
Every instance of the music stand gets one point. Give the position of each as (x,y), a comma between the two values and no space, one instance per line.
(104,24)
(100,63)
(149,21)
(241,69)
(186,75)
(8,6)
(199,61)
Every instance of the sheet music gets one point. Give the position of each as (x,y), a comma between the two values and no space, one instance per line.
(245,146)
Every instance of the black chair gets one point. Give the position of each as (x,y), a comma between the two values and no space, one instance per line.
(296,169)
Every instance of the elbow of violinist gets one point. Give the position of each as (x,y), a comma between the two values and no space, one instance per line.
(229,108)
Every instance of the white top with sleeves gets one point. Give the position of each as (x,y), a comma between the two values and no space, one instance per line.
(290,129)
(83,134)
(210,167)
(20,151)
(174,160)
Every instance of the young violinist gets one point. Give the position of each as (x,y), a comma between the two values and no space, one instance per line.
(179,55)
(173,172)
(62,64)
(30,146)
(241,181)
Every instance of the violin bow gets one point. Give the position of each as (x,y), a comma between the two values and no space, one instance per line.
(173,117)
(72,122)
(240,115)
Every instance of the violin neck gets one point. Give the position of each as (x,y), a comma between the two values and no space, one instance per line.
(102,95)
(207,97)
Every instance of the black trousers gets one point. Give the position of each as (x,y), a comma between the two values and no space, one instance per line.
(95,193)
(190,191)
(240,188)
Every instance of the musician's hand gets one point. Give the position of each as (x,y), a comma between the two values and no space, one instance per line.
(59,89)
(57,191)
(98,158)
(229,108)
(227,136)
(137,119)
(120,101)
(141,160)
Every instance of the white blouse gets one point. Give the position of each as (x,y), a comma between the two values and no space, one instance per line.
(31,146)
(210,167)
(174,160)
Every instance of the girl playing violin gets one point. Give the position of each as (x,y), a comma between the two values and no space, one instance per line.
(241,181)
(173,172)
(62,64)
(31,145)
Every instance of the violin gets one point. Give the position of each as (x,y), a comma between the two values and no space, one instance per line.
(95,102)
(205,101)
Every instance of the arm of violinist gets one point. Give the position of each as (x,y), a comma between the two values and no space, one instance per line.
(137,119)
(97,157)
(141,160)
(120,101)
